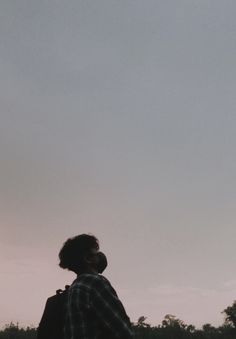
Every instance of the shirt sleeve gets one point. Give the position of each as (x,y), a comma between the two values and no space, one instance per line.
(110,310)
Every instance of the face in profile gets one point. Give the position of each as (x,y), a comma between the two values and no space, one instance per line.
(97,260)
(102,262)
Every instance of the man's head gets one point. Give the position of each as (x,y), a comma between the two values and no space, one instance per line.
(80,254)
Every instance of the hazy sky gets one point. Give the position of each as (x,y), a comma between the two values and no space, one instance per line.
(118,118)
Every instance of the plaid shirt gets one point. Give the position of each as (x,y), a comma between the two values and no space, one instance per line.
(94,310)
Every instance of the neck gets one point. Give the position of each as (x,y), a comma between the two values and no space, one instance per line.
(88,270)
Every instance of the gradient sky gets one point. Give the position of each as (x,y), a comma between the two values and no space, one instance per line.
(118,118)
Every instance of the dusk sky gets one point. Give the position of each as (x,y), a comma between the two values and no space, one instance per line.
(118,118)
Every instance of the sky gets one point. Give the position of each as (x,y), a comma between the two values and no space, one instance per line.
(117,118)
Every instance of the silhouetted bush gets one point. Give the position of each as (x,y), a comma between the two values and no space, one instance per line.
(170,328)
(13,331)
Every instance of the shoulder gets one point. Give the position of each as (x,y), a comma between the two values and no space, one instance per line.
(100,280)
(103,286)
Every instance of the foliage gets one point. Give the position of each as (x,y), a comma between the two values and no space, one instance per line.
(174,328)
(13,331)
(230,313)
(171,328)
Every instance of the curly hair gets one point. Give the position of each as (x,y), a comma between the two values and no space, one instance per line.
(74,250)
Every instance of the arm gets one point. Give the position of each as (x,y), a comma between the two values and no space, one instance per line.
(110,310)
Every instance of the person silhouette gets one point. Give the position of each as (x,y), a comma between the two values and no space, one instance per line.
(52,322)
(93,309)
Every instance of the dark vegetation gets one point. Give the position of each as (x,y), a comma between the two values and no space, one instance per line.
(170,328)
(13,331)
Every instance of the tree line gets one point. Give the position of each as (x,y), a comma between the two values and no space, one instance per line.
(170,328)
